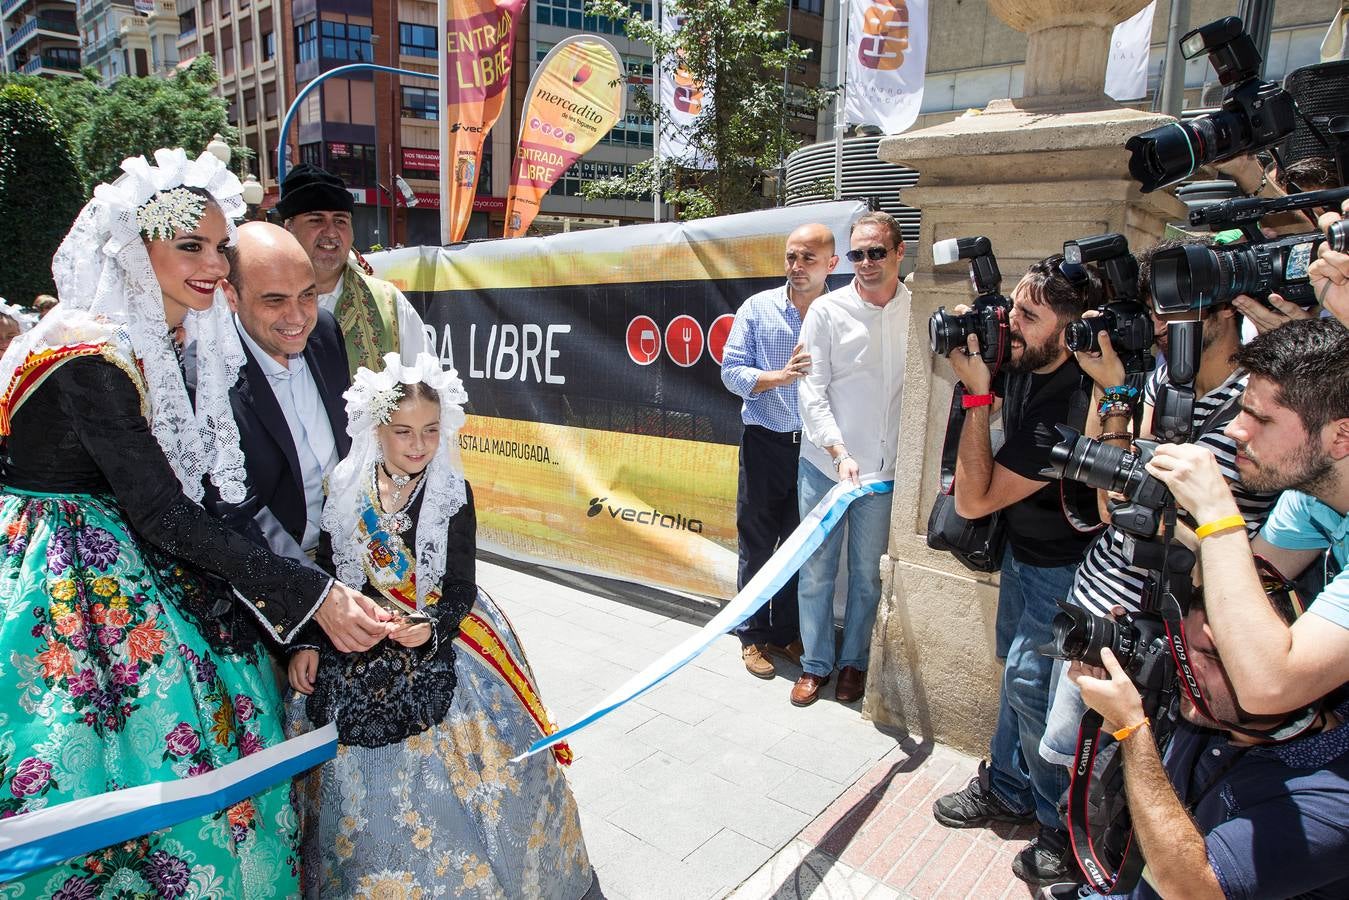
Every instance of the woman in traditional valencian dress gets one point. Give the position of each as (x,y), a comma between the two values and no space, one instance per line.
(126,653)
(423,799)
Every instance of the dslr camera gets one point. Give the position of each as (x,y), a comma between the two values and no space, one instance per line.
(1107,468)
(1193,276)
(1254,113)
(1124,318)
(987,319)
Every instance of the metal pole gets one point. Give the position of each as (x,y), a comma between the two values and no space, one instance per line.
(656,82)
(294,108)
(839,123)
(1173,73)
(782,125)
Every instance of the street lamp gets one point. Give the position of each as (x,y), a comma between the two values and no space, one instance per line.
(253,194)
(219,149)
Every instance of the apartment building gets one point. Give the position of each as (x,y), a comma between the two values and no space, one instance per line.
(39,37)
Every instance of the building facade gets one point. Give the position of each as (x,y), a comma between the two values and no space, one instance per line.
(39,37)
(125,38)
(242,36)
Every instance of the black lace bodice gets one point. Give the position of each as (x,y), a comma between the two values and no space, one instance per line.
(391,692)
(82,431)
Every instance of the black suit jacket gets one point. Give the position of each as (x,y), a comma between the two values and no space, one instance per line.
(275,506)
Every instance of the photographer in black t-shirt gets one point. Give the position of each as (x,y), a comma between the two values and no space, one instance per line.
(1044,549)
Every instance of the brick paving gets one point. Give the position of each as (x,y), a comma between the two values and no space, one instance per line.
(714,785)
(878,840)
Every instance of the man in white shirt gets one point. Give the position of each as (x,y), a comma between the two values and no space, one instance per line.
(374,316)
(850,417)
(288,400)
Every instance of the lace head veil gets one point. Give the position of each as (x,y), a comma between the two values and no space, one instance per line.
(371,400)
(107,285)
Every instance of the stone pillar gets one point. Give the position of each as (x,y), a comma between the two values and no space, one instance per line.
(1029,174)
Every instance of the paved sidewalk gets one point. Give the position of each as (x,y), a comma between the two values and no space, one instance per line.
(714,783)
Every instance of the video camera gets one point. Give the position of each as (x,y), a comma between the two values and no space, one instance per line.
(1124,319)
(1193,276)
(1254,113)
(987,319)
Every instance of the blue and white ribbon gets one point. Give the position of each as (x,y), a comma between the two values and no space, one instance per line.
(779,569)
(45,837)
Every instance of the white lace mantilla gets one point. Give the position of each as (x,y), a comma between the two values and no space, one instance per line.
(444,493)
(103,273)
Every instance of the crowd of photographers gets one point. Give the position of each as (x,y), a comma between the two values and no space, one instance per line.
(1173,709)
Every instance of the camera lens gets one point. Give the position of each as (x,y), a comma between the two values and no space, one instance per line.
(1081,336)
(945,332)
(1080,635)
(1337,236)
(1162,155)
(1094,463)
(1188,277)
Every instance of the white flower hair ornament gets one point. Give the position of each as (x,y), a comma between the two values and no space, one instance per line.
(373,396)
(152,201)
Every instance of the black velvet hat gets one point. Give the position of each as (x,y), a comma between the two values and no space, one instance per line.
(309,189)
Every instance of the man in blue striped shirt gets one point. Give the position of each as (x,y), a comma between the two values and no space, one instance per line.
(762,363)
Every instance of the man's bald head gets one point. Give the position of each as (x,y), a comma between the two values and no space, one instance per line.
(271,287)
(261,245)
(816,234)
(810,258)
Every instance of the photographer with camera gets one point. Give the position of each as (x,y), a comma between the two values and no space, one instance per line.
(1044,549)
(1292,434)
(1240,805)
(1117,568)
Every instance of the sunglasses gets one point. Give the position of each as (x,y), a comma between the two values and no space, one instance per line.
(875,254)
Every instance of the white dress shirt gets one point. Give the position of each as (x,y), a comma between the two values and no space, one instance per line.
(856,382)
(298,395)
(412,336)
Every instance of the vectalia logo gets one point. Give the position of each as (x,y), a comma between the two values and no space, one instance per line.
(652,517)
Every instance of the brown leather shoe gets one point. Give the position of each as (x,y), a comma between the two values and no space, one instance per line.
(807,688)
(756,663)
(792,652)
(851,683)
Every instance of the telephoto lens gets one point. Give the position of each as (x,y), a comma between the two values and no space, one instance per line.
(1337,236)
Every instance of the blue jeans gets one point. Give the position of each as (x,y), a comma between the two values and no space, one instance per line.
(1020,777)
(868,521)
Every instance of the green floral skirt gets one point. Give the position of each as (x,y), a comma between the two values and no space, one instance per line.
(106,682)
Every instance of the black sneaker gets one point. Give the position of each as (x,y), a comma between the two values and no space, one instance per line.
(976,805)
(1046,860)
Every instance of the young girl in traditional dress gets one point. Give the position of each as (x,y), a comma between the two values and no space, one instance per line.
(423,799)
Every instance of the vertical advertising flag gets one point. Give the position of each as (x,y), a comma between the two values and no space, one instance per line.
(576,95)
(683,99)
(475,70)
(887,60)
(1126,72)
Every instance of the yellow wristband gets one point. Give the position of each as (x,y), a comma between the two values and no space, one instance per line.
(1226,522)
(1126,733)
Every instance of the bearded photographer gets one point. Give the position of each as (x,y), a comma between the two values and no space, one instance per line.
(1110,577)
(1292,434)
(1044,549)
(1240,805)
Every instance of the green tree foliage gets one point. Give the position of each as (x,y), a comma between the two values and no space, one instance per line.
(737,50)
(40,192)
(135,116)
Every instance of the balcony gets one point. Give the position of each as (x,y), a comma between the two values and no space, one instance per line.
(47,63)
(7,7)
(48,25)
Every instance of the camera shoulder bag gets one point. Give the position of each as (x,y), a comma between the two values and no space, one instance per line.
(977,543)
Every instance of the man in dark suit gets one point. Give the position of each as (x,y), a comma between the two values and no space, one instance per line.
(288,400)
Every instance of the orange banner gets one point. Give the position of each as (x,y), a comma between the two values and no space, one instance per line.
(475,70)
(577,94)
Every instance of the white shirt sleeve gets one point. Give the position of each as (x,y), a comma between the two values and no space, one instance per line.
(817,417)
(412,336)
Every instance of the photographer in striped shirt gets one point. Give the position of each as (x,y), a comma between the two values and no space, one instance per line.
(1108,577)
